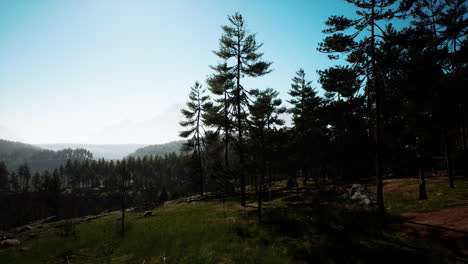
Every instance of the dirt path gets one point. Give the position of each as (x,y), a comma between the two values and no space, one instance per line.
(454,218)
(448,226)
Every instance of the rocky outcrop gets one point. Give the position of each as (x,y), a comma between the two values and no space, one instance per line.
(359,194)
(147,213)
(9,243)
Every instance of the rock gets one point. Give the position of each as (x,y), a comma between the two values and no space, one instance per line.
(360,195)
(366,201)
(9,243)
(131,209)
(356,196)
(45,220)
(194,198)
(91,217)
(147,213)
(24,229)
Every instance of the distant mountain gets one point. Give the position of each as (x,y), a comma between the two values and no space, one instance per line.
(159,149)
(16,153)
(106,151)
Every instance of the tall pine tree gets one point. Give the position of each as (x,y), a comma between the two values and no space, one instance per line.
(195,115)
(236,45)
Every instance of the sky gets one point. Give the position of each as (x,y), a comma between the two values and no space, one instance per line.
(118,71)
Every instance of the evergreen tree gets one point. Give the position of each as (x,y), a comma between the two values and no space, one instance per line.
(36,181)
(237,45)
(3,176)
(124,178)
(220,115)
(24,175)
(52,190)
(362,56)
(264,117)
(304,110)
(195,114)
(14,182)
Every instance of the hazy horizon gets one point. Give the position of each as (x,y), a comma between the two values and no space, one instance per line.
(118,72)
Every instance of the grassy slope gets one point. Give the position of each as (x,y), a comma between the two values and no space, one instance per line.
(440,196)
(312,228)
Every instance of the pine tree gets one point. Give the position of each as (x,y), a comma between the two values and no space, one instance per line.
(52,190)
(123,175)
(362,56)
(195,115)
(237,45)
(304,103)
(24,175)
(3,176)
(14,183)
(264,117)
(36,181)
(220,115)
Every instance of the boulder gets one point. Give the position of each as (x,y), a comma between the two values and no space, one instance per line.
(45,220)
(90,217)
(359,194)
(195,198)
(147,213)
(24,229)
(9,243)
(366,201)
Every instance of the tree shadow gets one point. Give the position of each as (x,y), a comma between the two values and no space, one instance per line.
(318,230)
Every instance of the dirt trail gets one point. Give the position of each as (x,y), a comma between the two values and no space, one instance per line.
(448,226)
(454,218)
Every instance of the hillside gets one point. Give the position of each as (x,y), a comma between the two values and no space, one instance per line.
(307,225)
(15,153)
(9,149)
(159,149)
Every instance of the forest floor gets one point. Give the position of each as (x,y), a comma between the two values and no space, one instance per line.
(301,225)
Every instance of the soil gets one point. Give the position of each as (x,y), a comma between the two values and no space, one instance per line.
(448,227)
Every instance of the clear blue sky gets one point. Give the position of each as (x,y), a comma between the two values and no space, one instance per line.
(109,71)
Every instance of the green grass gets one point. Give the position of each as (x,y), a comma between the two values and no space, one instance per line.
(313,228)
(440,196)
(183,233)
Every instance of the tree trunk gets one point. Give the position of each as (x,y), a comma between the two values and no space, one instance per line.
(123,204)
(422,184)
(378,121)
(463,131)
(239,127)
(448,158)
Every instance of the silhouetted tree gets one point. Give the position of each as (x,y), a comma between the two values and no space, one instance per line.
(304,110)
(24,175)
(195,114)
(3,176)
(362,56)
(220,115)
(37,181)
(264,117)
(14,183)
(237,45)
